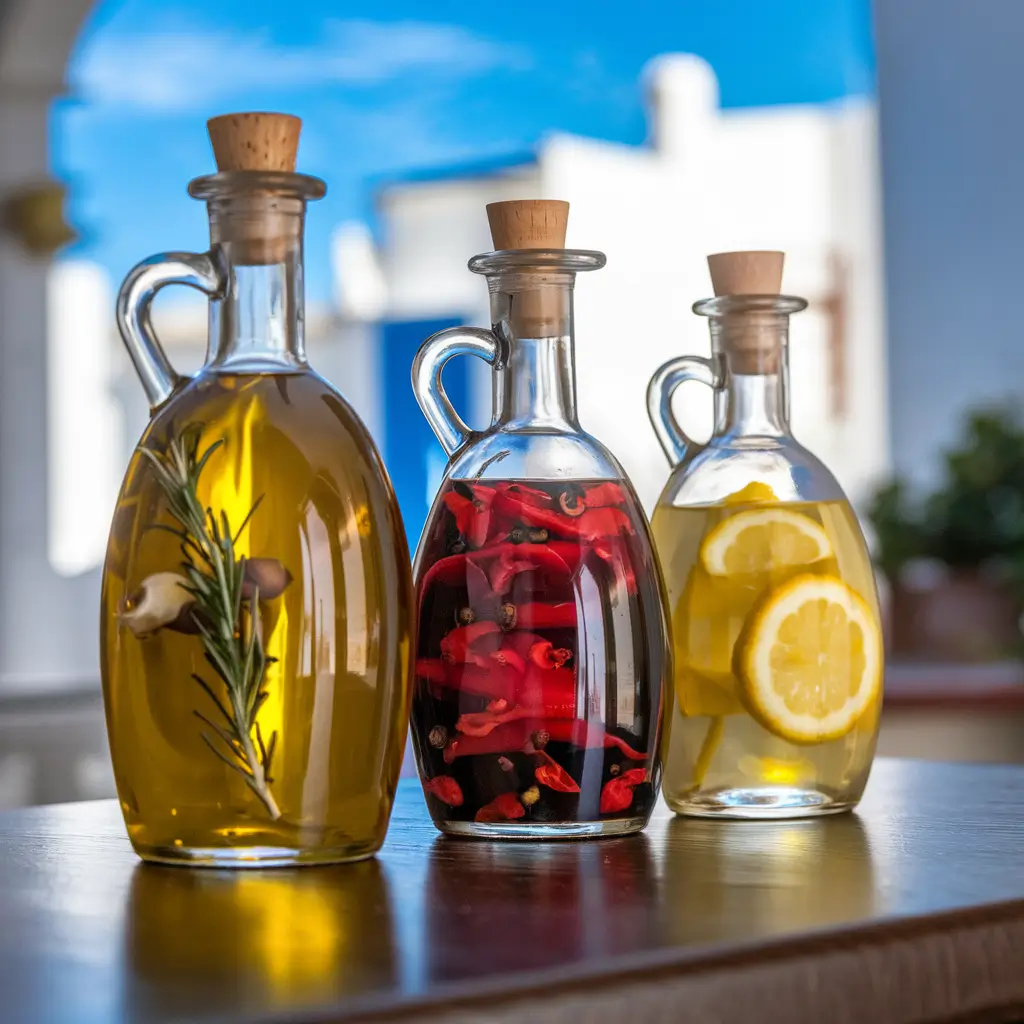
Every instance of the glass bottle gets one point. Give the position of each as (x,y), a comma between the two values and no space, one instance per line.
(542,638)
(255,624)
(778,652)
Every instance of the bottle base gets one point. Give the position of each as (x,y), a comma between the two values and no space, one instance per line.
(765,803)
(250,858)
(543,830)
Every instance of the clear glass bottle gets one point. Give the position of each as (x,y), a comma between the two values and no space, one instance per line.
(542,640)
(255,623)
(777,638)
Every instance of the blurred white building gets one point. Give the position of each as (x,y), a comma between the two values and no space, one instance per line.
(803,179)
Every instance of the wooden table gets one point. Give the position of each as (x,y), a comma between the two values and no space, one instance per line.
(912,909)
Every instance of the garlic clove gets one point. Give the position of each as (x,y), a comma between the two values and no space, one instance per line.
(266,574)
(160,600)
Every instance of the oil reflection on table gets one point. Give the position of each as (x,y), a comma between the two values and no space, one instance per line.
(753,880)
(265,939)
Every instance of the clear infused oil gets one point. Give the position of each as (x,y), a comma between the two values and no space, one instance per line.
(777,656)
(297,483)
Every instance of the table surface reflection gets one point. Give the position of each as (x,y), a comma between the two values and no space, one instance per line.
(437,928)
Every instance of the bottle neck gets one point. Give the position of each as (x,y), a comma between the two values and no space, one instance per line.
(753,405)
(535,388)
(257,325)
(752,353)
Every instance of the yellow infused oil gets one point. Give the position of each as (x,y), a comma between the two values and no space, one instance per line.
(777,655)
(331,618)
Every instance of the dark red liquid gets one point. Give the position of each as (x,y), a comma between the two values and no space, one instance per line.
(541,655)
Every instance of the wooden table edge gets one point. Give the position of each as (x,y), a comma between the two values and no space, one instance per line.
(957,964)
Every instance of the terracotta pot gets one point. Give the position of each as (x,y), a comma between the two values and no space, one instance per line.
(961,615)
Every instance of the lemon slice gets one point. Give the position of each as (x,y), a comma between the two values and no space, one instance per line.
(809,659)
(762,539)
(754,493)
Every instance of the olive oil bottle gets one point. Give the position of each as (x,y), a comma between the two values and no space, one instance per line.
(255,622)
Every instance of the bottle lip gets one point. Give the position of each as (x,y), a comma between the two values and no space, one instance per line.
(724,305)
(225,184)
(575,260)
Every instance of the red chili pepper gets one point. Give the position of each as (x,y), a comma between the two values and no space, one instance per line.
(513,559)
(501,563)
(515,735)
(511,658)
(549,691)
(544,654)
(537,615)
(513,505)
(450,570)
(482,723)
(494,682)
(434,670)
(503,808)
(590,734)
(446,789)
(530,495)
(598,523)
(471,644)
(604,494)
(512,736)
(551,774)
(472,515)
(478,589)
(617,793)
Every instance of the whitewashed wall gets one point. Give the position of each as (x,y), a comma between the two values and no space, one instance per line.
(802,179)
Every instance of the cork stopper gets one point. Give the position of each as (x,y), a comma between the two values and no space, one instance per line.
(751,341)
(540,299)
(259,225)
(528,223)
(255,141)
(746,273)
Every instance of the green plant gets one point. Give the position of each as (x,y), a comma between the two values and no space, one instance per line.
(975,516)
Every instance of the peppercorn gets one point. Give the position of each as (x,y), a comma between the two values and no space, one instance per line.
(538,535)
(465,616)
(506,617)
(615,769)
(438,736)
(541,738)
(517,535)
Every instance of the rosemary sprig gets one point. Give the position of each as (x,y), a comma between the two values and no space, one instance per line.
(227,620)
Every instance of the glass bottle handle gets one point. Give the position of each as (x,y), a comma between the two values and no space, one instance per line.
(659,401)
(197,270)
(451,430)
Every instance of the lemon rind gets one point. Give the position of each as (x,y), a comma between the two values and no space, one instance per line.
(721,538)
(764,621)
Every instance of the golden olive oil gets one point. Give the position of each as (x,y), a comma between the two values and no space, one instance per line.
(337,636)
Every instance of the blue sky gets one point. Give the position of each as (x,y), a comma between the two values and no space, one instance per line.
(388,88)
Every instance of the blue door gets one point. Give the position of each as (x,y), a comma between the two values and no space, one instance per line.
(414,458)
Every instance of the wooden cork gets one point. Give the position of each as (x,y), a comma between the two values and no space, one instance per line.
(255,142)
(259,225)
(540,299)
(528,223)
(749,340)
(746,273)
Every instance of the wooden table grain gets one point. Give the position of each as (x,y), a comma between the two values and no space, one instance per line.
(911,909)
